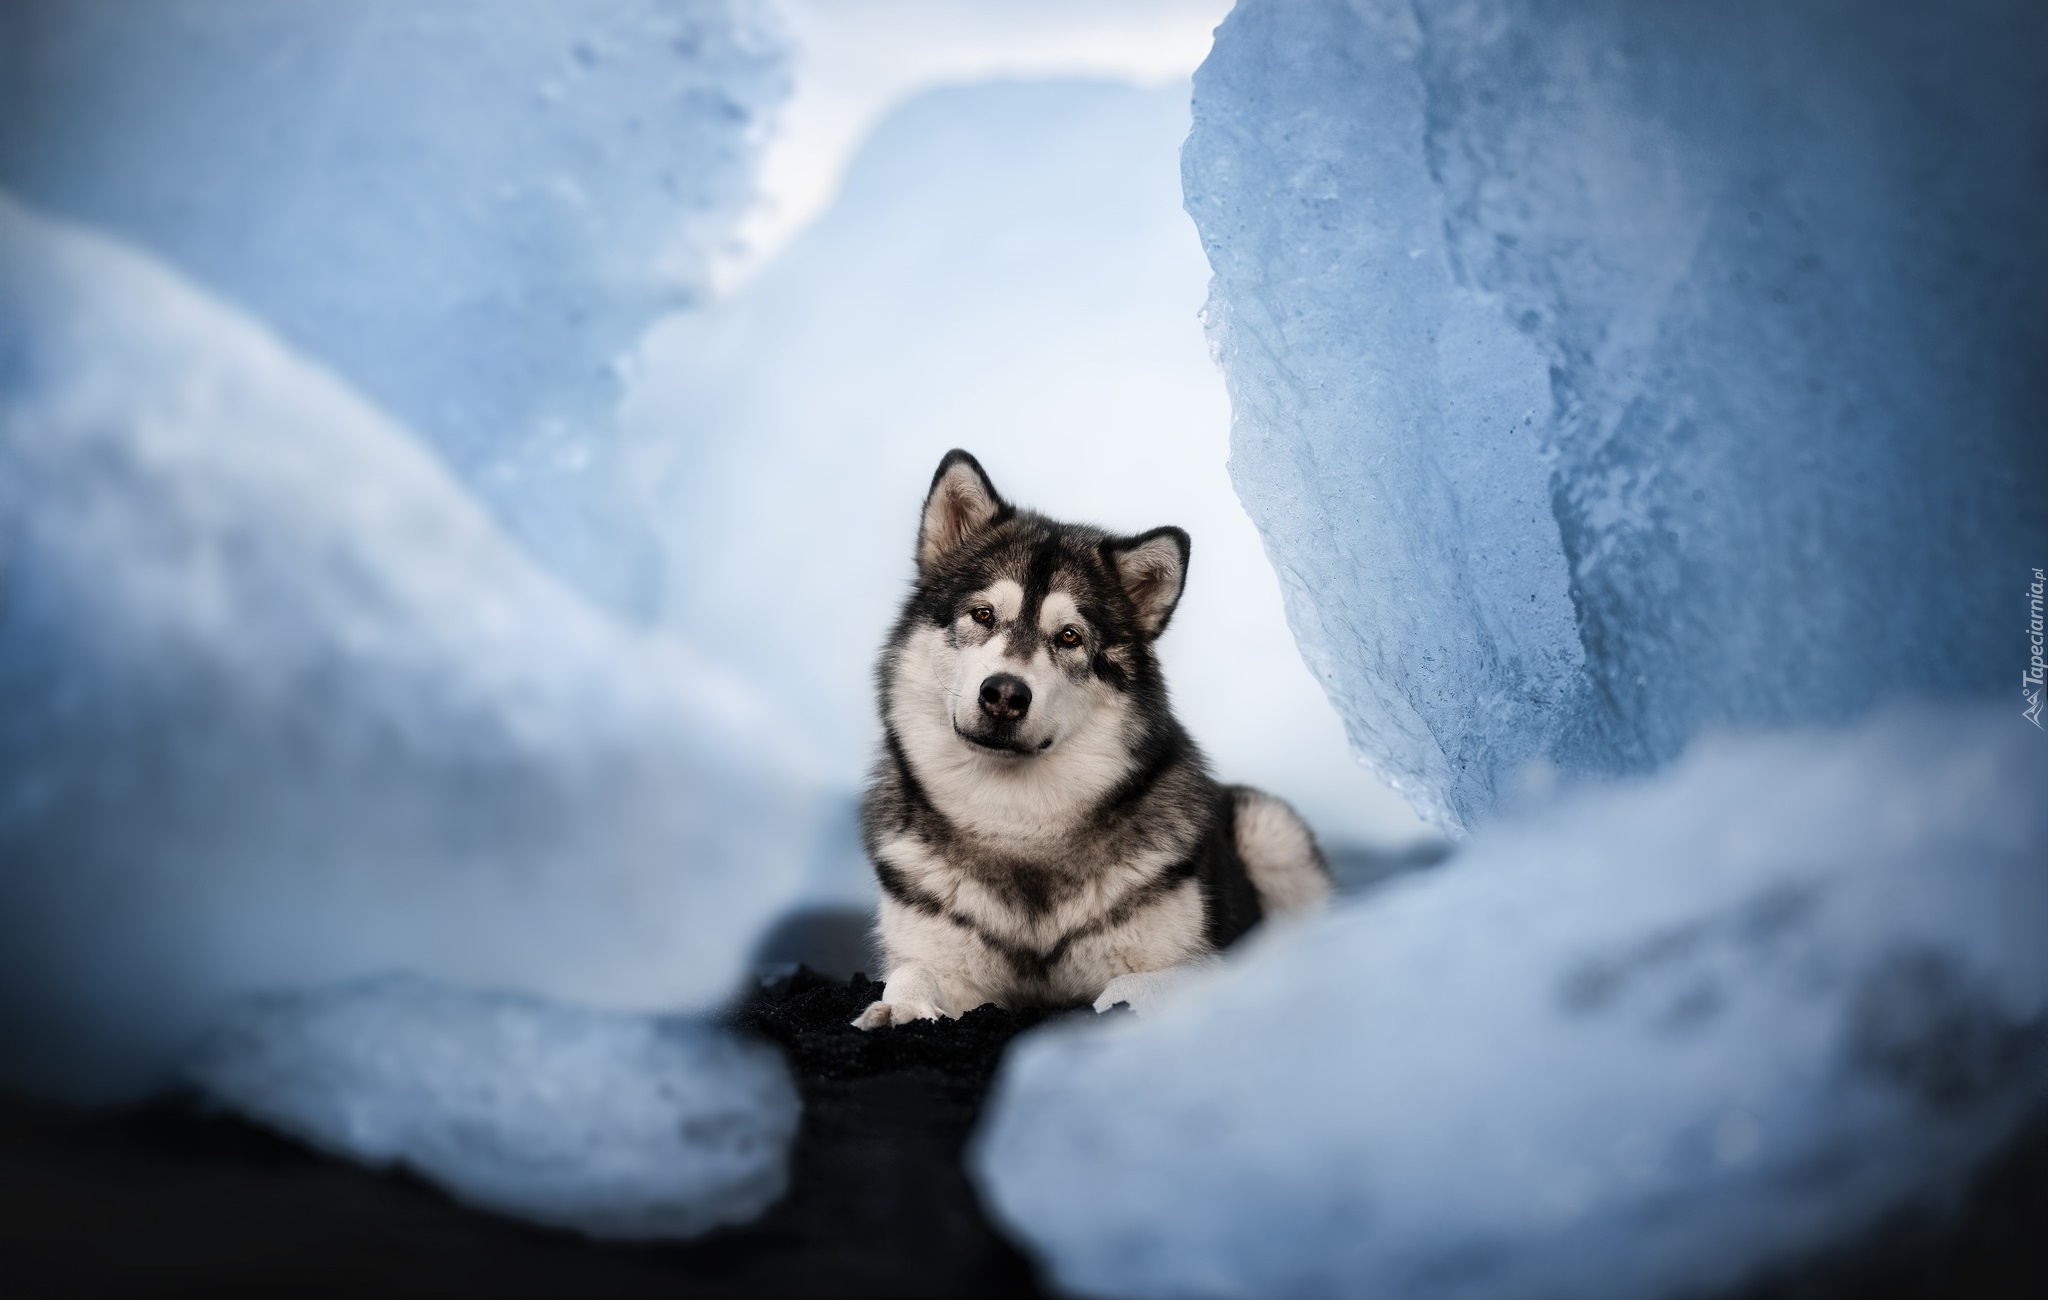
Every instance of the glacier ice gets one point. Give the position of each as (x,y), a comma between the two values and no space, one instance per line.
(1643,1040)
(1605,372)
(468,210)
(279,704)
(615,1125)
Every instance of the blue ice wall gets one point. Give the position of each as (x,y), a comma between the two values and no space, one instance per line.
(469,210)
(1605,372)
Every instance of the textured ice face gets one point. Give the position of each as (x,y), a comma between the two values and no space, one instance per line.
(1652,1041)
(468,210)
(278,703)
(1602,372)
(614,1125)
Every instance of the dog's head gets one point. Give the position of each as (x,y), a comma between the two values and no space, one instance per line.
(1029,642)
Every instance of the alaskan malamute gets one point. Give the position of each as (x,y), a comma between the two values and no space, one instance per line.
(1043,828)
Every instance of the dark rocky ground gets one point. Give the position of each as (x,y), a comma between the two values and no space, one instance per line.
(172,1200)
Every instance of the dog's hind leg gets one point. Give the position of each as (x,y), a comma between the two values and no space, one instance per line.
(1279,853)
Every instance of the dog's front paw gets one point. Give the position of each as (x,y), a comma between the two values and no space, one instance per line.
(882,1014)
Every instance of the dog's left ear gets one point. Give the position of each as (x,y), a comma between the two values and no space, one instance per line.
(1153,568)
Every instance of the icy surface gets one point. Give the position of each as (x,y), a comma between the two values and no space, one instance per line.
(1603,372)
(279,704)
(1650,1041)
(614,1125)
(1007,270)
(469,210)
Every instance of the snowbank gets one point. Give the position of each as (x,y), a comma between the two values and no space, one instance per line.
(279,704)
(613,1125)
(1651,1041)
(1603,372)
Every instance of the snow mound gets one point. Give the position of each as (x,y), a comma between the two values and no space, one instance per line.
(468,210)
(1603,373)
(614,1125)
(1652,1040)
(278,704)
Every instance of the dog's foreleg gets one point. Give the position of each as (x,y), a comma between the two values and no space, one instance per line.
(910,993)
(1142,990)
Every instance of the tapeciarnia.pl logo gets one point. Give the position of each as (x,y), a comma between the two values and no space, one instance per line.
(2030,683)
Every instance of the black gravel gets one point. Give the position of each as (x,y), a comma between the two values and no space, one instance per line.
(880,1201)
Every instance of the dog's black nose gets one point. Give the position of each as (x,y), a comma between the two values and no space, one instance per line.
(1005,697)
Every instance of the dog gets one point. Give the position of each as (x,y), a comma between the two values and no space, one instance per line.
(1044,831)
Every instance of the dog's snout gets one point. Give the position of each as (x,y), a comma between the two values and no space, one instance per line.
(1005,697)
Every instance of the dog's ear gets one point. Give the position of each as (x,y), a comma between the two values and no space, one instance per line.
(961,503)
(1153,568)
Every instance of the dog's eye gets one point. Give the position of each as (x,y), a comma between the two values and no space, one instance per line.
(1069,637)
(982,614)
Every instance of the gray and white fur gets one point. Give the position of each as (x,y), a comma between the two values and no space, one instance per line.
(1043,829)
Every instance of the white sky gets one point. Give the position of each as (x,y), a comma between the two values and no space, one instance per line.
(857,59)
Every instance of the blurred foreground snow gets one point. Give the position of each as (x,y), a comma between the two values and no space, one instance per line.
(1649,1040)
(615,1125)
(279,704)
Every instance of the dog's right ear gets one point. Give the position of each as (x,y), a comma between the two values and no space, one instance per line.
(961,503)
